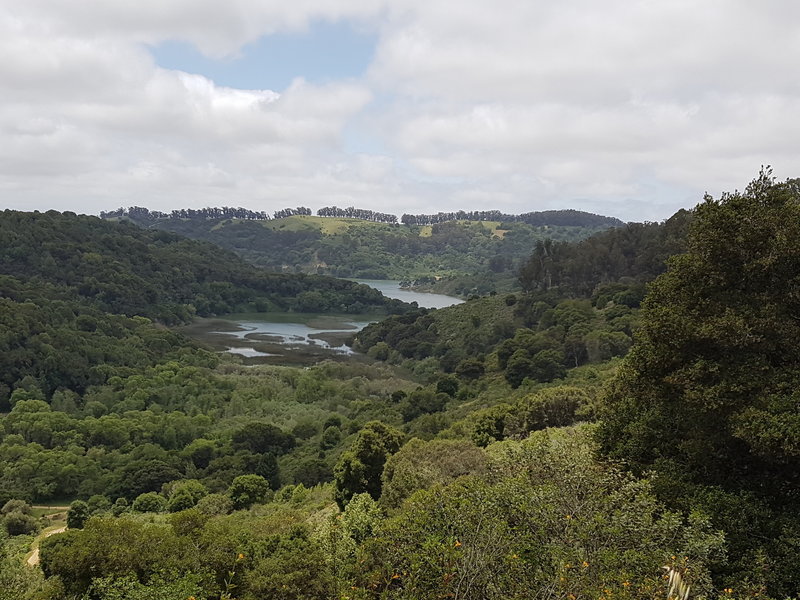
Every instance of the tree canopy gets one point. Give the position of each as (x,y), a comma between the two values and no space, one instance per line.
(708,395)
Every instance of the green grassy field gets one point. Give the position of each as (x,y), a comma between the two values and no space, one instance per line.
(326,225)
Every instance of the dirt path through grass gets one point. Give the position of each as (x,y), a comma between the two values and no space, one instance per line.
(57,514)
(33,559)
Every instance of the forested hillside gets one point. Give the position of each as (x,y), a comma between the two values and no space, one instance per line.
(635,252)
(347,243)
(625,427)
(120,268)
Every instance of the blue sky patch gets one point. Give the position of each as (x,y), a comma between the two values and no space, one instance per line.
(325,52)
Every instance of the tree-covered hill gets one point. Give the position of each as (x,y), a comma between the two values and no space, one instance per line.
(121,268)
(78,294)
(342,244)
(499,449)
(708,399)
(579,305)
(636,252)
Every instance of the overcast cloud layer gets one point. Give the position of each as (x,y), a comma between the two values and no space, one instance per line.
(626,108)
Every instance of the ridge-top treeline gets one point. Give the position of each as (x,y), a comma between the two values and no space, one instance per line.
(138,213)
(564,218)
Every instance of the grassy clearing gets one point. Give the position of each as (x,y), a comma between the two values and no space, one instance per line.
(49,510)
(326,225)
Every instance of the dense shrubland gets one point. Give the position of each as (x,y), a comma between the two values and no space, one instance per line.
(536,336)
(537,516)
(509,447)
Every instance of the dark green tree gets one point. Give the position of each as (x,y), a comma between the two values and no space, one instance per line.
(247,490)
(150,502)
(330,438)
(708,395)
(547,365)
(360,468)
(518,368)
(19,523)
(77,514)
(263,438)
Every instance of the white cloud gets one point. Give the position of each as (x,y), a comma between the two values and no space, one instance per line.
(621,107)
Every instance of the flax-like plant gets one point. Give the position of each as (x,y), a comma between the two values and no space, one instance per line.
(678,588)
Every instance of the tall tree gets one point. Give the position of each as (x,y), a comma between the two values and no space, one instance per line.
(359,469)
(708,395)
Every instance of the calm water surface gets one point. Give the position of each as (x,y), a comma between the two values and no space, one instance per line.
(298,338)
(280,338)
(391,289)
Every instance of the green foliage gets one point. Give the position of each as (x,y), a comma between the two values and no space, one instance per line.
(422,402)
(17,580)
(128,587)
(291,571)
(718,336)
(247,490)
(19,523)
(330,437)
(470,368)
(361,517)
(150,502)
(15,505)
(263,438)
(550,518)
(636,251)
(359,469)
(120,268)
(489,425)
(42,344)
(78,514)
(537,338)
(113,547)
(215,504)
(447,385)
(496,500)
(707,395)
(420,465)
(120,506)
(550,407)
(349,247)
(175,421)
(98,504)
(182,495)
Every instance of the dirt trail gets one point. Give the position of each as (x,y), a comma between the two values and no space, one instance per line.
(33,559)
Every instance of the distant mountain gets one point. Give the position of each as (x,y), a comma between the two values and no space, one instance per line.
(364,244)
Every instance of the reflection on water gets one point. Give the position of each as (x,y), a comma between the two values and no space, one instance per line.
(247,352)
(279,338)
(391,289)
(295,338)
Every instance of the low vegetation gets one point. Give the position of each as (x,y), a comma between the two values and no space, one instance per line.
(623,432)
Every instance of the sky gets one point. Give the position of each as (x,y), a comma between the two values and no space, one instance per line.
(627,108)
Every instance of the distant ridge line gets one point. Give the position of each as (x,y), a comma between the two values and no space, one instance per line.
(562,218)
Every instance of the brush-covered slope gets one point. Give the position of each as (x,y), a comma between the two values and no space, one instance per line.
(351,247)
(121,268)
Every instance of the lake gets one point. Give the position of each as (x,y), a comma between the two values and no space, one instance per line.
(298,338)
(391,289)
